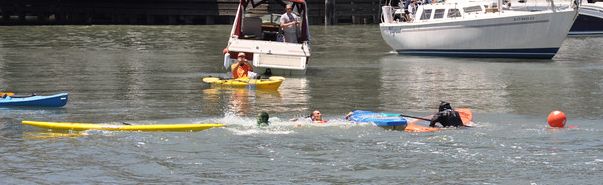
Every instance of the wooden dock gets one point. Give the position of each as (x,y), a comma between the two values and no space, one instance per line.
(171,12)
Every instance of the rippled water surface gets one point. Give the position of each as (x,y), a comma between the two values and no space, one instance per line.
(152,74)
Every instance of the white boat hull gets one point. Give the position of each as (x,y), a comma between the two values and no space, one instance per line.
(590,20)
(274,55)
(520,35)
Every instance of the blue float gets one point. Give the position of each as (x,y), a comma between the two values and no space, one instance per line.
(380,119)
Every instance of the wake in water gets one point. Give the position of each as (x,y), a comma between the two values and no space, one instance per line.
(278,126)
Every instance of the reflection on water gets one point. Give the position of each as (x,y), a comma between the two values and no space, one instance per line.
(489,85)
(426,81)
(244,101)
(52,135)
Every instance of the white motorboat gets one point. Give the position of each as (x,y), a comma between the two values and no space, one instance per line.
(590,19)
(590,15)
(478,29)
(255,32)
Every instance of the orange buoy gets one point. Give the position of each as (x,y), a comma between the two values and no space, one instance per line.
(556,119)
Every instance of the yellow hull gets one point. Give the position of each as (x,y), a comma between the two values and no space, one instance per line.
(6,94)
(142,128)
(263,84)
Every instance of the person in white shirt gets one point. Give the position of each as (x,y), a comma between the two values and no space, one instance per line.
(412,7)
(289,25)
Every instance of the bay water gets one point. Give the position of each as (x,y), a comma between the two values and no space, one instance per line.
(152,75)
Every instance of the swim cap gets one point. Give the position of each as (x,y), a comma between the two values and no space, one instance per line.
(263,119)
(444,105)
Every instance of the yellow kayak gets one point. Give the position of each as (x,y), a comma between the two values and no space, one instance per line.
(2,94)
(142,128)
(273,83)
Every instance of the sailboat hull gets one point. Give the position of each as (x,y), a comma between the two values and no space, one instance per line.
(506,35)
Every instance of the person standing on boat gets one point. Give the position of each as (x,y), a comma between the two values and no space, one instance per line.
(289,24)
(446,116)
(412,7)
(241,68)
(406,17)
(406,3)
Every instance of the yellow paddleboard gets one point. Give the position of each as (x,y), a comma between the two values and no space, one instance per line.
(110,127)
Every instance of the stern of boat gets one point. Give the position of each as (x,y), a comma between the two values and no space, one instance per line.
(280,57)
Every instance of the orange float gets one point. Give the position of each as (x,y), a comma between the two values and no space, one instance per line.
(556,119)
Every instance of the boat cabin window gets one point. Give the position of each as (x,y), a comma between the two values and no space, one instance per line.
(426,14)
(438,14)
(453,12)
(472,9)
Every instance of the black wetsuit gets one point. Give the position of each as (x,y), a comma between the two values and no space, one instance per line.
(448,118)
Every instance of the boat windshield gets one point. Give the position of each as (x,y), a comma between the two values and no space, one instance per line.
(260,20)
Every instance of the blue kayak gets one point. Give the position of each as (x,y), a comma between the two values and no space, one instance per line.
(57,100)
(388,120)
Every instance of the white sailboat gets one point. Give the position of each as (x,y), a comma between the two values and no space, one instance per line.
(478,29)
(256,34)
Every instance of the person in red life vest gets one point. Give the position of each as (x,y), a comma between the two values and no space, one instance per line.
(241,68)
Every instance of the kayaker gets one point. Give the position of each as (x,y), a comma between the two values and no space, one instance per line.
(289,24)
(446,116)
(241,68)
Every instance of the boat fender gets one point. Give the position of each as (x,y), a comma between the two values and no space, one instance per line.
(227,61)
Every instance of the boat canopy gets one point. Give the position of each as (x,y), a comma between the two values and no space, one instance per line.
(299,5)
